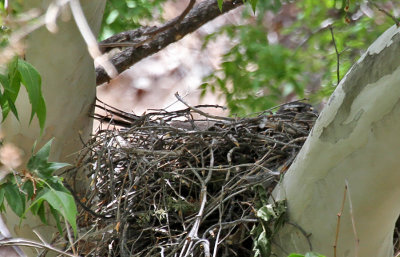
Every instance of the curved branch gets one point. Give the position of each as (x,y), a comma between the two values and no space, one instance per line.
(141,42)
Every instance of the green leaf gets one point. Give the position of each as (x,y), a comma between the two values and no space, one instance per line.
(11,106)
(4,81)
(262,246)
(112,16)
(220,2)
(42,213)
(62,202)
(13,78)
(57,219)
(295,255)
(266,213)
(15,198)
(31,79)
(253,4)
(39,160)
(11,84)
(39,164)
(1,196)
(35,208)
(28,189)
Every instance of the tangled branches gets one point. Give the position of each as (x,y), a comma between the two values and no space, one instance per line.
(183,183)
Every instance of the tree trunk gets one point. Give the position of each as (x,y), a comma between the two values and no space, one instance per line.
(68,84)
(356,138)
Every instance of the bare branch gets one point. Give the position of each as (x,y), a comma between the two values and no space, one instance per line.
(337,55)
(176,21)
(396,21)
(140,44)
(30,243)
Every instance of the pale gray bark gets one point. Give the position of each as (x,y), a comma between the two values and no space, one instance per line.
(356,138)
(68,85)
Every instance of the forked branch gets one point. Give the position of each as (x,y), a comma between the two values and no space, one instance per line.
(142,42)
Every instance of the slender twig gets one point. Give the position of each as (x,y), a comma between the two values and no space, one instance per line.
(309,36)
(153,32)
(200,111)
(33,244)
(357,240)
(173,22)
(145,45)
(69,234)
(396,20)
(339,215)
(337,55)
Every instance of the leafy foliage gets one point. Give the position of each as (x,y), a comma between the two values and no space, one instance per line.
(39,185)
(20,72)
(286,51)
(121,15)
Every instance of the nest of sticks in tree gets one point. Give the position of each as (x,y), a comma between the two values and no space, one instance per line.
(171,183)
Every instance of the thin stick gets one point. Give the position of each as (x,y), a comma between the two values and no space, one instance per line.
(396,21)
(153,32)
(337,55)
(357,240)
(71,241)
(29,243)
(174,22)
(200,111)
(338,222)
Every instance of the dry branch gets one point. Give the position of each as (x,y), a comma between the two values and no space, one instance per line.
(183,182)
(141,42)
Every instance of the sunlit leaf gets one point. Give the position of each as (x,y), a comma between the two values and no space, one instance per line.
(220,2)
(62,202)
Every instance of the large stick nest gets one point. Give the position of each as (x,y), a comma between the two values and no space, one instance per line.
(183,182)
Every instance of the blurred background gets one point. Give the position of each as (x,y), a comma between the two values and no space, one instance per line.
(248,61)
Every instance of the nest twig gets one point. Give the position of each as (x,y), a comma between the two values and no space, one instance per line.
(182,183)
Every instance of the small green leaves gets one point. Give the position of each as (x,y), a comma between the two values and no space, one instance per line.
(11,83)
(32,81)
(39,164)
(20,72)
(52,190)
(39,185)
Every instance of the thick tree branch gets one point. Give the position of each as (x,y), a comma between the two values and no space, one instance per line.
(142,42)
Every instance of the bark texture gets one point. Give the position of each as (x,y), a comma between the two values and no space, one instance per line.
(356,138)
